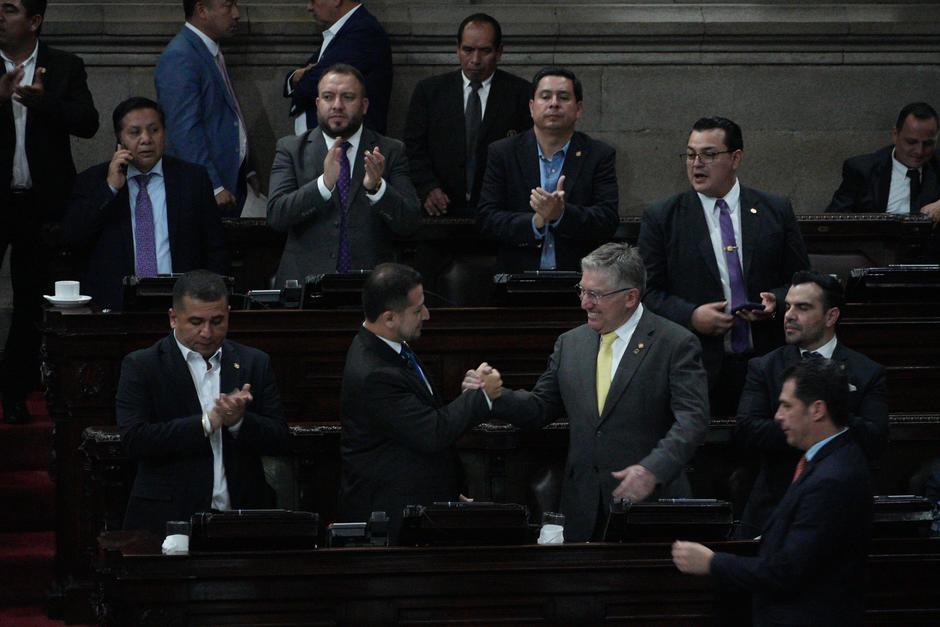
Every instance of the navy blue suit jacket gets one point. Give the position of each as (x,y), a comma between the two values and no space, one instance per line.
(363,44)
(757,432)
(591,201)
(160,420)
(866,183)
(682,272)
(810,566)
(98,226)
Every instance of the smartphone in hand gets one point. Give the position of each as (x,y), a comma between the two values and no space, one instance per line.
(747,307)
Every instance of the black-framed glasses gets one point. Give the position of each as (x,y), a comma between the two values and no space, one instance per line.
(708,156)
(595,297)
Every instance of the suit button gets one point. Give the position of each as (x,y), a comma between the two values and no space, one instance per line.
(599,433)
(336,224)
(596,470)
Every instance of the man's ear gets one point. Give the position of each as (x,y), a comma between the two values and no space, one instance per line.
(172,314)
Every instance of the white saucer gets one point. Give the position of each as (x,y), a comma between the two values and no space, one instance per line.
(68,303)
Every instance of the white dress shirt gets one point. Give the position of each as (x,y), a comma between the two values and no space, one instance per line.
(352,153)
(899,194)
(156,188)
(21,177)
(712,212)
(396,346)
(826,350)
(484,93)
(624,335)
(206,378)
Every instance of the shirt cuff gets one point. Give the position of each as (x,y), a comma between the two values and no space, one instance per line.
(489,403)
(217,191)
(377,196)
(325,192)
(234,429)
(206,425)
(290,85)
(539,233)
(114,190)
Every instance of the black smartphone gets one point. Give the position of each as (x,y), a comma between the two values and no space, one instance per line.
(124,165)
(747,307)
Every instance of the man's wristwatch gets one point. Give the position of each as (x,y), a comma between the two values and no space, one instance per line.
(372,192)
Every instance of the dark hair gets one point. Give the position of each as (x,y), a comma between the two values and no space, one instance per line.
(35,7)
(558,71)
(189,7)
(201,285)
(920,110)
(832,292)
(387,287)
(133,104)
(482,18)
(345,68)
(734,140)
(824,380)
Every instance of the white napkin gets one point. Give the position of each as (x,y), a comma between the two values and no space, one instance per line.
(176,544)
(552,534)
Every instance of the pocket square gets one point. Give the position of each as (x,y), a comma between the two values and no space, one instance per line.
(852,388)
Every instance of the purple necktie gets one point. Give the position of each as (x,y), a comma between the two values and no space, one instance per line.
(143,230)
(739,332)
(344,258)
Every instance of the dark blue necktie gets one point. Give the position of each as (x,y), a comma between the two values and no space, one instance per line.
(412,360)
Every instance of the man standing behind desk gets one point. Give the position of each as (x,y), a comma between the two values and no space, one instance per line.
(197,412)
(549,195)
(715,248)
(340,191)
(142,213)
(454,117)
(398,434)
(813,306)
(44,99)
(353,36)
(810,565)
(634,391)
(204,120)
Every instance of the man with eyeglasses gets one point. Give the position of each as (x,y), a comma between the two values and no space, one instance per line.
(720,257)
(632,387)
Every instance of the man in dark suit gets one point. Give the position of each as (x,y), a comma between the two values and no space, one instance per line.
(398,434)
(900,178)
(477,104)
(205,124)
(810,566)
(340,191)
(633,388)
(812,310)
(549,195)
(197,412)
(716,248)
(142,213)
(352,36)
(44,100)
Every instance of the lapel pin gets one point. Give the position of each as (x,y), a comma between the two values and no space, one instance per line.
(639,347)
(754,210)
(236,365)
(577,154)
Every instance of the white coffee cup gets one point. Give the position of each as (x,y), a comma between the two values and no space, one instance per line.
(68,290)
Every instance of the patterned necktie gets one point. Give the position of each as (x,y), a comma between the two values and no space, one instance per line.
(344,257)
(473,117)
(144,240)
(412,360)
(605,358)
(800,467)
(242,128)
(739,332)
(914,175)
(811,355)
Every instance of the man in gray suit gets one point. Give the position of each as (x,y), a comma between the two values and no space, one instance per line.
(633,388)
(341,191)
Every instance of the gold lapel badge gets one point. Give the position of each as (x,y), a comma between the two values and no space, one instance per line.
(639,347)
(237,366)
(577,154)
(754,210)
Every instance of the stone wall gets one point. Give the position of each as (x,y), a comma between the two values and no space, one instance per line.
(809,83)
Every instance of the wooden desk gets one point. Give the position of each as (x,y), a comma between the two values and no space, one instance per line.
(566,584)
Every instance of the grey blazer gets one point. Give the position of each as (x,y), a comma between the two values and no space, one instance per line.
(656,414)
(312,224)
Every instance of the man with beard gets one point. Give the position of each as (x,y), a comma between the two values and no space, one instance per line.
(341,191)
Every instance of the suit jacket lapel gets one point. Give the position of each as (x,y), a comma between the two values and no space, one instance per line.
(633,356)
(212,67)
(454,108)
(230,378)
(174,202)
(751,222)
(367,141)
(695,220)
(176,370)
(881,182)
(527,155)
(574,159)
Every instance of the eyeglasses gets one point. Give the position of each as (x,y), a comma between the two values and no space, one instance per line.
(594,297)
(708,156)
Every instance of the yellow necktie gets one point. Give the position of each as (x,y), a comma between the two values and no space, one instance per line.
(605,357)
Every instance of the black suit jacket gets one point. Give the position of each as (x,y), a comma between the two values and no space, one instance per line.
(398,439)
(160,419)
(757,432)
(65,108)
(682,272)
(98,224)
(810,566)
(591,201)
(363,44)
(435,134)
(866,182)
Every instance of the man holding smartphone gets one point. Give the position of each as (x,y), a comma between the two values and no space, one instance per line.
(122,212)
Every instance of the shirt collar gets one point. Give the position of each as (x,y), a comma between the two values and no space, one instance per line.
(156,169)
(625,331)
(732,198)
(191,355)
(30,59)
(563,151)
(352,139)
(338,24)
(485,83)
(826,350)
(210,44)
(811,451)
(899,167)
(395,346)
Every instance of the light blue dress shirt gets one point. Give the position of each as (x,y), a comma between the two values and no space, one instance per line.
(550,173)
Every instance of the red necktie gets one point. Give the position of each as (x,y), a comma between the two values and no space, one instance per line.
(800,466)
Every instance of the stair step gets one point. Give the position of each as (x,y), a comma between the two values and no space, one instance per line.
(26,567)
(29,496)
(27,446)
